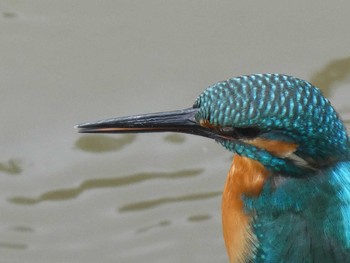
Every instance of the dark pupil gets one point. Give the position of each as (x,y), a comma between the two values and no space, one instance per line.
(248,133)
(241,133)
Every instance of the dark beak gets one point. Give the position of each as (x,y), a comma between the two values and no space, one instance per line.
(182,121)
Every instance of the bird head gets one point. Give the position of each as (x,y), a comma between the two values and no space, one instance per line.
(281,121)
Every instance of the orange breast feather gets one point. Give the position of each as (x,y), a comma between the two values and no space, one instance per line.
(245,177)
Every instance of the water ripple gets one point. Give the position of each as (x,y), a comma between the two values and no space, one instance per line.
(198,218)
(17,246)
(103,143)
(70,193)
(166,200)
(175,138)
(23,229)
(163,223)
(335,71)
(11,167)
(9,14)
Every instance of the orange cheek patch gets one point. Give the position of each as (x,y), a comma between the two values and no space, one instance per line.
(278,148)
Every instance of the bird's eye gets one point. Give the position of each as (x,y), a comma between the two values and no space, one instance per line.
(237,133)
(247,133)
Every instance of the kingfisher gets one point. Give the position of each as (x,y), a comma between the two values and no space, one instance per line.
(287,192)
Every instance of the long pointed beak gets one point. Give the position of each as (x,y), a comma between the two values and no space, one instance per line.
(182,121)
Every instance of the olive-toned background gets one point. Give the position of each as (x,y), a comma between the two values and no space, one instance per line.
(66,197)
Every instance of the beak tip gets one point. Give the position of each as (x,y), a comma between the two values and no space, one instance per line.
(82,127)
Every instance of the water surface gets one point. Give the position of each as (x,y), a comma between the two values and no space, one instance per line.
(67,197)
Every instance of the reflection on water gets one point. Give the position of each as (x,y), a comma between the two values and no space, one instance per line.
(163,223)
(10,245)
(332,73)
(9,15)
(17,246)
(103,143)
(65,194)
(175,138)
(329,76)
(197,218)
(11,167)
(166,200)
(26,229)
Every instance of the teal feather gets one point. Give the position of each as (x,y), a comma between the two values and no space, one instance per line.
(303,212)
(279,106)
(304,220)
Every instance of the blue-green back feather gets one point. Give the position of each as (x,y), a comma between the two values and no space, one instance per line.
(304,220)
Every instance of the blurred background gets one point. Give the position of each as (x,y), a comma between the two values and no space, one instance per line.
(67,197)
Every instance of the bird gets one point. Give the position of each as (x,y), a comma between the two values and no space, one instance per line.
(287,193)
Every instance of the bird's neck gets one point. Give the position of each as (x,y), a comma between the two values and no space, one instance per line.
(245,178)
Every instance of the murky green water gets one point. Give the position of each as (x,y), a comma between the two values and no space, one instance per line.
(66,197)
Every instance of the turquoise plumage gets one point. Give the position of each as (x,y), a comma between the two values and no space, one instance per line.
(279,107)
(304,220)
(301,212)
